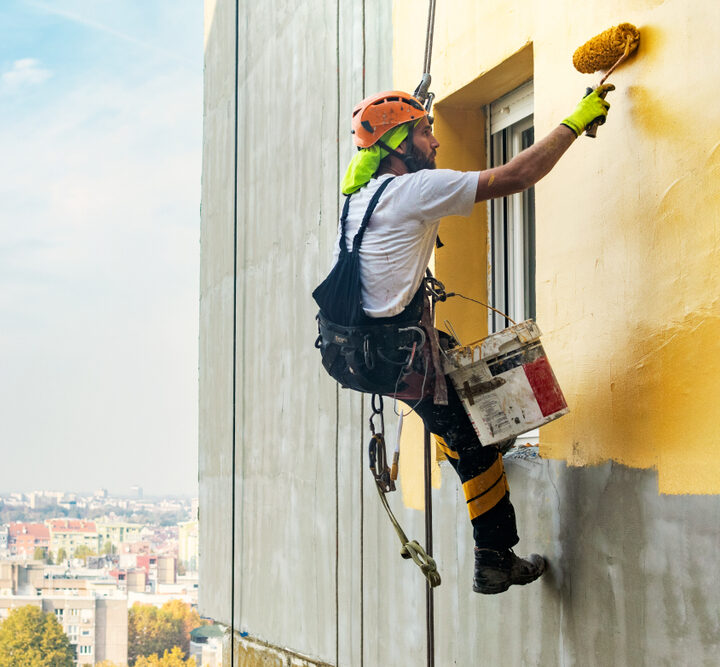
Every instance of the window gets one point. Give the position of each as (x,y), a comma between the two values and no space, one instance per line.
(512,219)
(84,650)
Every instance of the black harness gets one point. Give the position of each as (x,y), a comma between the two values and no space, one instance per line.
(366,354)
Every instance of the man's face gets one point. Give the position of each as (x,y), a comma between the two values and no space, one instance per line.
(425,145)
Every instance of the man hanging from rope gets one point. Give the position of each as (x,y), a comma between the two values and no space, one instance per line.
(375,320)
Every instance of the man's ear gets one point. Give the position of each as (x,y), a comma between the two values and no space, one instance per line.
(402,148)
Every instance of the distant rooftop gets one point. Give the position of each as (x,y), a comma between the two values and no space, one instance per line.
(34,529)
(72,526)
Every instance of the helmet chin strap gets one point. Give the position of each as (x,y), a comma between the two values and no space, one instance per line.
(411,163)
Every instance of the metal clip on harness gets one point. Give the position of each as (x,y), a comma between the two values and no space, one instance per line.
(436,289)
(377,451)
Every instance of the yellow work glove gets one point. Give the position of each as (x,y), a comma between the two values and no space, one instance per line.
(591,108)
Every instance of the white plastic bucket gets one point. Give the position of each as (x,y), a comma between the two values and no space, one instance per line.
(506,383)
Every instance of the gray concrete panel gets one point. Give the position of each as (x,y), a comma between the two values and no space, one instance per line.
(286,533)
(216,316)
(630,580)
(365,65)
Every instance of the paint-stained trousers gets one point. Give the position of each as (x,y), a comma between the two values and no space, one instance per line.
(480,469)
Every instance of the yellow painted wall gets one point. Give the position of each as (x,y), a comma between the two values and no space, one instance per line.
(628,238)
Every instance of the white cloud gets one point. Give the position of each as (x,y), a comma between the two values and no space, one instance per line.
(25,72)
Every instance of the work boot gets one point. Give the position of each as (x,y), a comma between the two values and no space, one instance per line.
(496,571)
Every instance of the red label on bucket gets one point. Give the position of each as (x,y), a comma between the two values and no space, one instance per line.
(546,389)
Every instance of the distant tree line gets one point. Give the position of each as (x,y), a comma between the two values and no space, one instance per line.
(152,631)
(30,637)
(13,514)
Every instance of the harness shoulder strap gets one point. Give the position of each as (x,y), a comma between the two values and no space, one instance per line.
(366,218)
(343,220)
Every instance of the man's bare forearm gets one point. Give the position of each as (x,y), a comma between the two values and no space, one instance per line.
(526,168)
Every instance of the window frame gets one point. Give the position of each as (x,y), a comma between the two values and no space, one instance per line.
(511,229)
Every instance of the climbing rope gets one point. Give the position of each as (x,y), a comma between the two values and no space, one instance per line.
(410,549)
(429,37)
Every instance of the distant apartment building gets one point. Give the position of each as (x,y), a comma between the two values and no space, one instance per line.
(87,604)
(131,580)
(117,532)
(140,573)
(39,499)
(96,627)
(166,570)
(3,540)
(188,544)
(69,534)
(21,578)
(24,538)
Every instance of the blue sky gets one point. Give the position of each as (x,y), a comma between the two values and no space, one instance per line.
(100,158)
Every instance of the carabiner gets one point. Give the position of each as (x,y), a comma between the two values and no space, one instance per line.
(436,288)
(420,331)
(367,353)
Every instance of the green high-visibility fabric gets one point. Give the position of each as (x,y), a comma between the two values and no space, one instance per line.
(366,161)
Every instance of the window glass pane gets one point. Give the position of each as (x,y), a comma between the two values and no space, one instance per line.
(512,219)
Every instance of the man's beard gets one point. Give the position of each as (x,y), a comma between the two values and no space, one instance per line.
(421,161)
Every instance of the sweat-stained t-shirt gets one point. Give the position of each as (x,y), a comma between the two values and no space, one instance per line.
(400,238)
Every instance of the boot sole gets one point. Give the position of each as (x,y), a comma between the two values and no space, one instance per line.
(501,588)
(487,590)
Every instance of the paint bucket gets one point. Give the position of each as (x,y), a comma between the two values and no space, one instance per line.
(506,383)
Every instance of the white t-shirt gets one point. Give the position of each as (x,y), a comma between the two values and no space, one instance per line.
(400,237)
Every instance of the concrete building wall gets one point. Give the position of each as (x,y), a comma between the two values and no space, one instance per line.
(188,544)
(296,554)
(217,311)
(136,581)
(167,570)
(300,67)
(111,630)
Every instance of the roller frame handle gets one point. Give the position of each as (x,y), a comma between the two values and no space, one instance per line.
(592,128)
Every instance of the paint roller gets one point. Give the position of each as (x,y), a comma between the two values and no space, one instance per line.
(605,51)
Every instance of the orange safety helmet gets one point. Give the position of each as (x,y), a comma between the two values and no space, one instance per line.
(379,113)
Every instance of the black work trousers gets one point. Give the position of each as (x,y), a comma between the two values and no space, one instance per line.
(480,470)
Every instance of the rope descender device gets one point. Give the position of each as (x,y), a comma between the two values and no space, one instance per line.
(384,482)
